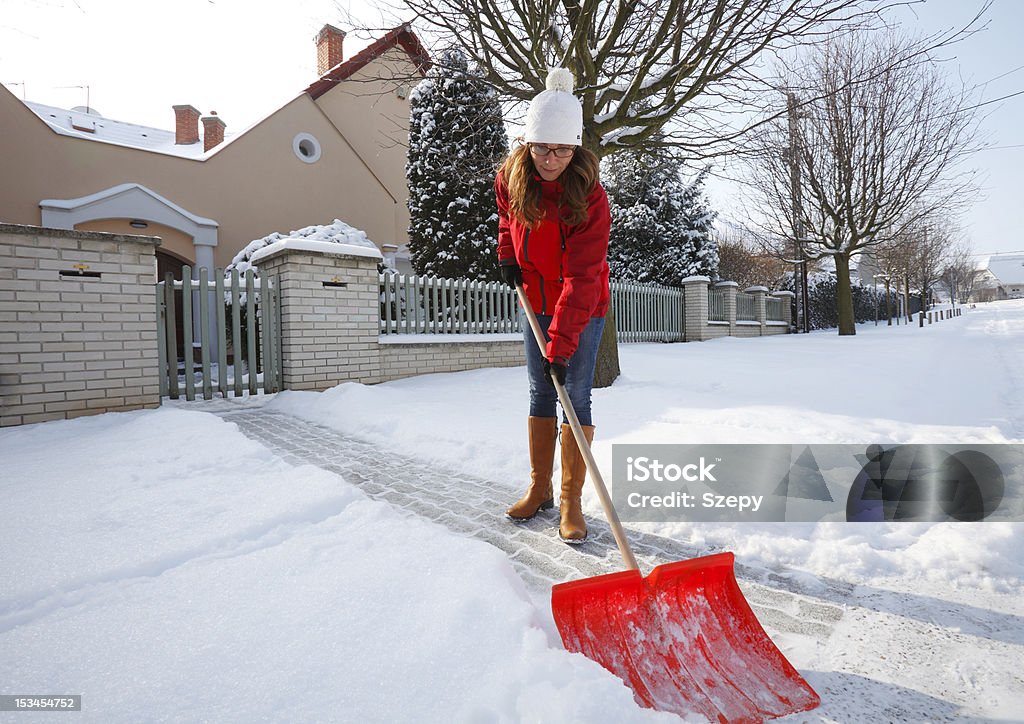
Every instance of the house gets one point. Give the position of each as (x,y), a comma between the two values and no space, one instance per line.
(335,151)
(998,276)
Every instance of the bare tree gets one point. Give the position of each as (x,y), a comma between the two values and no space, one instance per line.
(933,243)
(893,257)
(878,140)
(740,260)
(958,275)
(672,73)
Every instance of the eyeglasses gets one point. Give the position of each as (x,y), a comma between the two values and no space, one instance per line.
(539,149)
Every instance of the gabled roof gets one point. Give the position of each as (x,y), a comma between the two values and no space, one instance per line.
(1007,267)
(402,36)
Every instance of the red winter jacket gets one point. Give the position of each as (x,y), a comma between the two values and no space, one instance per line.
(565,268)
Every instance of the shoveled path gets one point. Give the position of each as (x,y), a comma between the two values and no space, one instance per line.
(475,507)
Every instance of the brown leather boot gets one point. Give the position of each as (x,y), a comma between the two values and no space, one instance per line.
(573,528)
(543,431)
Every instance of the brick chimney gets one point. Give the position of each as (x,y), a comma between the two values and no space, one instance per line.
(186,125)
(213,130)
(328,48)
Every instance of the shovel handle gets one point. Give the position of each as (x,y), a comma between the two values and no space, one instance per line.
(581,442)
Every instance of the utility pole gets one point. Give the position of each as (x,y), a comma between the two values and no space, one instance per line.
(800,276)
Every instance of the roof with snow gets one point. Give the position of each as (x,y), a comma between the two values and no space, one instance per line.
(402,37)
(1008,268)
(94,127)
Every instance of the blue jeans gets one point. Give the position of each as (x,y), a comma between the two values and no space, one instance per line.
(579,376)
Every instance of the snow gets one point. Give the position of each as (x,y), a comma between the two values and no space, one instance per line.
(210,579)
(120,133)
(324,247)
(168,568)
(336,237)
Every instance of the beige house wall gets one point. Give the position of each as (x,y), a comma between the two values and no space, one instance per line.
(251,186)
(374,92)
(172,241)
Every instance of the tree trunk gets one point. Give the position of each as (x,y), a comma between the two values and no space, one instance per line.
(888,304)
(906,298)
(844,296)
(607,368)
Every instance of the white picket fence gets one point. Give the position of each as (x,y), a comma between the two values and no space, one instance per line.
(648,312)
(716,306)
(431,305)
(242,314)
(746,307)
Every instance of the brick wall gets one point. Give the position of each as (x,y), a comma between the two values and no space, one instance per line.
(400,358)
(81,342)
(329,317)
(699,329)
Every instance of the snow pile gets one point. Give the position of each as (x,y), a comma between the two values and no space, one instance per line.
(165,567)
(353,241)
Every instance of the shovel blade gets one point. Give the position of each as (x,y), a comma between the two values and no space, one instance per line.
(684,639)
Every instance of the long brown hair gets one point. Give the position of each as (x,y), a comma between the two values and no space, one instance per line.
(577,180)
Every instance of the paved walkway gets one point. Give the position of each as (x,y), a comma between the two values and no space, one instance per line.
(858,642)
(470,506)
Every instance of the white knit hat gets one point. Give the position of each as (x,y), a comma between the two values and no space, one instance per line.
(555,115)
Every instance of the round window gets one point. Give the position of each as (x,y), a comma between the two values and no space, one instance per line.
(306,147)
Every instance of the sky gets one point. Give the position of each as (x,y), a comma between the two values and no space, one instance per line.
(204,571)
(244,60)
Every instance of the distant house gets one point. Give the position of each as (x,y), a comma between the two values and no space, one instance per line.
(999,276)
(336,151)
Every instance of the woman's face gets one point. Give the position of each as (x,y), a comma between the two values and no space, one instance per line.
(545,159)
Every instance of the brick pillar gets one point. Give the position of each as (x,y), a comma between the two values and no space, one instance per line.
(695,292)
(330,315)
(79,327)
(759,309)
(186,125)
(329,42)
(213,131)
(730,303)
(787,306)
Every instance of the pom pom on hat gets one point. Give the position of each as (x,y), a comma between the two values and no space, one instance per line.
(559,79)
(555,115)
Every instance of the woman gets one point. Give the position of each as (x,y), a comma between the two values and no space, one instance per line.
(553,238)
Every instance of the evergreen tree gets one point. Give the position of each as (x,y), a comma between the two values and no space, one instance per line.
(661,227)
(456,141)
(697,251)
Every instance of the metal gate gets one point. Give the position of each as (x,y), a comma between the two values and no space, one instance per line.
(233,328)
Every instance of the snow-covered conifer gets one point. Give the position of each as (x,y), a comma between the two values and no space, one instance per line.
(661,227)
(456,141)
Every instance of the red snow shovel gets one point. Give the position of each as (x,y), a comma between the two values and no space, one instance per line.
(683,638)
